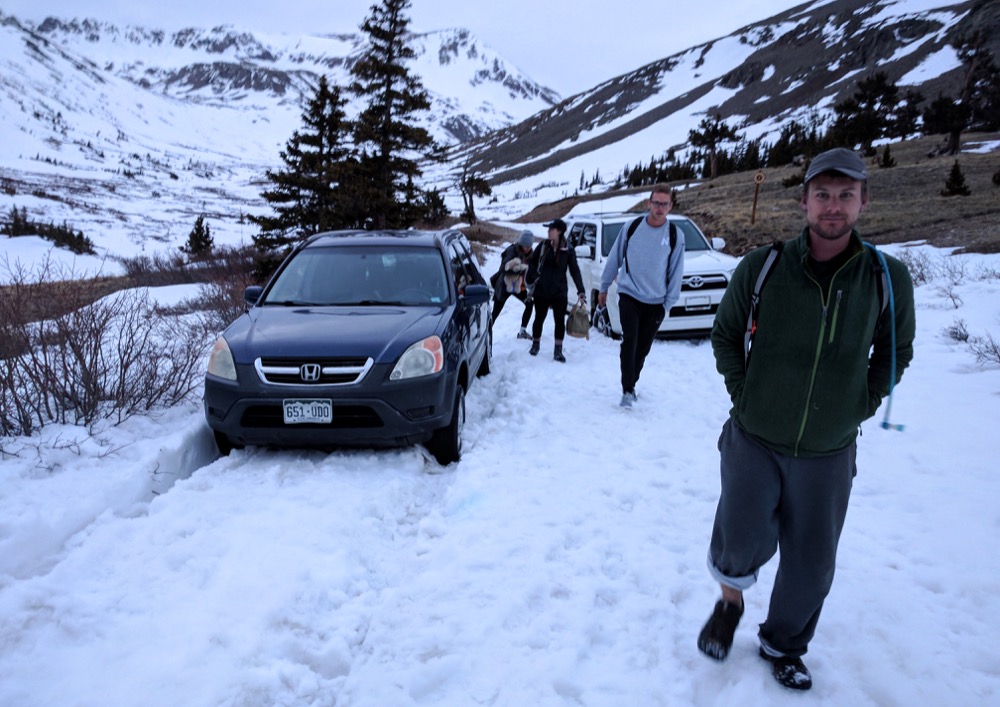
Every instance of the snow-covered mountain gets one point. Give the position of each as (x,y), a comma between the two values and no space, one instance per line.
(130,133)
(795,65)
(472,89)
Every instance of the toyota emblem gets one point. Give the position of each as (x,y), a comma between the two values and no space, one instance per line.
(309,372)
(694,282)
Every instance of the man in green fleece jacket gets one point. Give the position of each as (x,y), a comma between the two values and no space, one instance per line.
(822,361)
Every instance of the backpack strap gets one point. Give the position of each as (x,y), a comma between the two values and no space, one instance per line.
(631,231)
(886,301)
(765,272)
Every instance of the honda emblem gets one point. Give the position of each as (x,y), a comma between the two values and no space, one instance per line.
(309,372)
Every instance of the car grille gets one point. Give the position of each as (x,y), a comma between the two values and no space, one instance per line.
(295,371)
(344,417)
(702,283)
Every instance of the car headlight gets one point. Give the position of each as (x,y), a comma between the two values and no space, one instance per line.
(422,359)
(220,361)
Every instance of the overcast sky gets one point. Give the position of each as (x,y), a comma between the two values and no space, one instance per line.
(568,47)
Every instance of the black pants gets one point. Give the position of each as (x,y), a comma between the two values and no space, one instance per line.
(501,299)
(542,307)
(640,322)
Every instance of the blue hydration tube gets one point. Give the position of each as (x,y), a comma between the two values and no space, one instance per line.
(886,425)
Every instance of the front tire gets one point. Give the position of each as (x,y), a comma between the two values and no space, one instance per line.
(446,443)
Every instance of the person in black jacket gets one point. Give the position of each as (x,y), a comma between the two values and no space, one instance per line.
(547,274)
(509,280)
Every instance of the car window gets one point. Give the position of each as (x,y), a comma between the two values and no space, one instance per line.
(693,238)
(610,233)
(459,270)
(361,275)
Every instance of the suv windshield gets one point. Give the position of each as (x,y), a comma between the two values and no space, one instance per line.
(361,275)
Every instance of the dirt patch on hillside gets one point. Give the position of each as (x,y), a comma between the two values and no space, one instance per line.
(905,201)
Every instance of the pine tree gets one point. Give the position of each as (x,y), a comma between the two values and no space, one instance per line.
(472,185)
(199,242)
(955,186)
(887,159)
(388,141)
(867,115)
(711,132)
(312,194)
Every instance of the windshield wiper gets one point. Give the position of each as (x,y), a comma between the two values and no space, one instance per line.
(293,303)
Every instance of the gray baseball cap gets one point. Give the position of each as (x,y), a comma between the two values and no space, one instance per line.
(839,159)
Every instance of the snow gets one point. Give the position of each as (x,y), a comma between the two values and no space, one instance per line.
(561,562)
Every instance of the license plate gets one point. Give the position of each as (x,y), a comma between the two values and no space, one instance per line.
(695,304)
(298,412)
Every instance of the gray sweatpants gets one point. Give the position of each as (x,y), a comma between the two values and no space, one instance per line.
(773,502)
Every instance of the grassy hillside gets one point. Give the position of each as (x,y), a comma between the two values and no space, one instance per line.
(905,201)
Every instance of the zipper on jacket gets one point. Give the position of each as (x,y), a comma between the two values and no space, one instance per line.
(836,311)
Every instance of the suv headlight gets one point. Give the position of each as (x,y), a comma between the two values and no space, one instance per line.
(220,361)
(422,359)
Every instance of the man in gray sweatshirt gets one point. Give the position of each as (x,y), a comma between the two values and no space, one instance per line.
(649,273)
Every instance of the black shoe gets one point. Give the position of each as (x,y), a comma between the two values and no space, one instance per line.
(534,349)
(557,355)
(523,334)
(716,635)
(790,672)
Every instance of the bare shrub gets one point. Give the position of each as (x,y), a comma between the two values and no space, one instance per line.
(228,272)
(987,273)
(949,293)
(955,269)
(108,359)
(986,349)
(957,331)
(919,264)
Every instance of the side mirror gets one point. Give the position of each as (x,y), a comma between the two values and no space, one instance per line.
(584,251)
(252,294)
(476,294)
(718,243)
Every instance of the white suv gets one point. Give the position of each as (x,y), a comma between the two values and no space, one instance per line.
(706,273)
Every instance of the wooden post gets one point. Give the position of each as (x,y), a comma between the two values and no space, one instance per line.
(758,179)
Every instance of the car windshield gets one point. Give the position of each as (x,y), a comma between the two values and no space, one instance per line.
(361,275)
(693,238)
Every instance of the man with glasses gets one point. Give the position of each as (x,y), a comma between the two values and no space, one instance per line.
(649,273)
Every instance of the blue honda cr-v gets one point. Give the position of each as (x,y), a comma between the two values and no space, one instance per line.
(360,338)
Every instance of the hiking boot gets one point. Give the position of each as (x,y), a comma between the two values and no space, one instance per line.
(627,400)
(557,355)
(716,637)
(790,672)
(534,348)
(523,334)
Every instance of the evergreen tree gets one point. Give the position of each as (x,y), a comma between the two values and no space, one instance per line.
(710,134)
(388,140)
(887,160)
(978,105)
(955,186)
(793,141)
(982,82)
(867,115)
(199,242)
(904,122)
(312,194)
(949,117)
(472,185)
